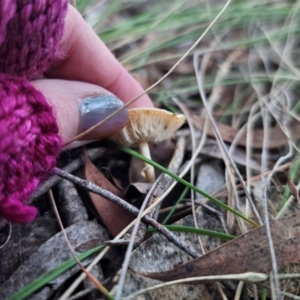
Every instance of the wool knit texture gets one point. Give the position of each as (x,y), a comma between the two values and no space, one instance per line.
(29,34)
(29,142)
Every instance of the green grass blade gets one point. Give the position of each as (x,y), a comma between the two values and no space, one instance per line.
(189,229)
(38,283)
(186,183)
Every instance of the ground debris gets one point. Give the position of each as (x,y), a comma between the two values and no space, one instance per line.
(83,236)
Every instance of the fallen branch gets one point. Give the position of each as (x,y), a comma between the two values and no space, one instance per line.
(111,197)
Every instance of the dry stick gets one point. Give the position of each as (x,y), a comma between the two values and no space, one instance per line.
(264,160)
(193,138)
(276,93)
(249,276)
(249,152)
(212,100)
(113,198)
(274,281)
(93,153)
(101,288)
(274,273)
(218,135)
(248,155)
(157,82)
(136,226)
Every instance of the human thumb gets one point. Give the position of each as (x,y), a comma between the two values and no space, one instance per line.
(77,106)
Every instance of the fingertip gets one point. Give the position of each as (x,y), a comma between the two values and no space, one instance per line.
(96,109)
(78,106)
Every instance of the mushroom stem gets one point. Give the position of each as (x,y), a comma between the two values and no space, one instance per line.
(149,170)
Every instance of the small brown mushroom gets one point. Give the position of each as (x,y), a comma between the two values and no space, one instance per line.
(146,125)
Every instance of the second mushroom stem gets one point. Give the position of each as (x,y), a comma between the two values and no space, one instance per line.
(149,170)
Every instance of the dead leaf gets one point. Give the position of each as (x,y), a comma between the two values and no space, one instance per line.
(249,252)
(228,133)
(113,216)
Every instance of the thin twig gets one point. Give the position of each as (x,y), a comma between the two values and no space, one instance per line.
(253,116)
(113,198)
(250,276)
(126,261)
(101,288)
(224,148)
(264,162)
(94,153)
(192,178)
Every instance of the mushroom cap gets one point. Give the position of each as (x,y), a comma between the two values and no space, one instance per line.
(148,125)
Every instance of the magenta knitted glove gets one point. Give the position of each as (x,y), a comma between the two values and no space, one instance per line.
(29,34)
(29,142)
(29,145)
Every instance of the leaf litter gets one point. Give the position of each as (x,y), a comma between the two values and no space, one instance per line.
(83,236)
(247,253)
(262,80)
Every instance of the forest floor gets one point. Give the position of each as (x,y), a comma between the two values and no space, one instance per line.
(230,202)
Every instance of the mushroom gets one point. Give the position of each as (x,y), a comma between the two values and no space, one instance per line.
(146,125)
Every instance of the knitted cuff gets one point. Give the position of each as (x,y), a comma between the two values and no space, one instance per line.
(29,146)
(29,34)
